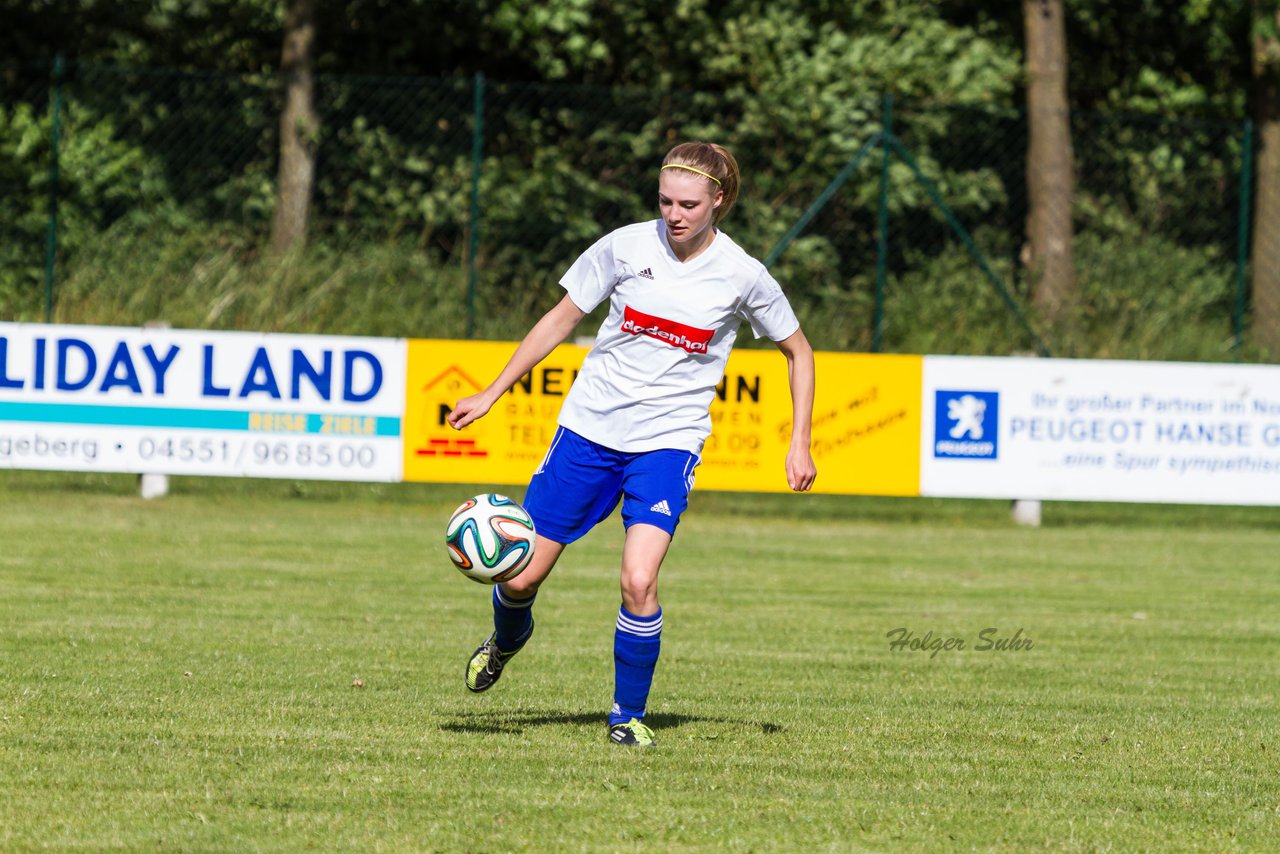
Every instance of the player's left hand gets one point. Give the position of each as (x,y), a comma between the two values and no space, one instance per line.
(469,409)
(801,472)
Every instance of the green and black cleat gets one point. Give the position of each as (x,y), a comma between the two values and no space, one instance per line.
(486,665)
(632,734)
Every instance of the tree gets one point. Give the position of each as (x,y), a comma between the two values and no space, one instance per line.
(299,127)
(1266,211)
(1049,158)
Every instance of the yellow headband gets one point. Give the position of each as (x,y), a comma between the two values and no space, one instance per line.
(691,169)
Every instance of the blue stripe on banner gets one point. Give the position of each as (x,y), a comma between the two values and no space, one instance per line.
(194,419)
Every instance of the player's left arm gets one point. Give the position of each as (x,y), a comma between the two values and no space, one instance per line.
(801,471)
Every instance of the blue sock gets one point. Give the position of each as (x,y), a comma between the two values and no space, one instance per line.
(512,620)
(636,643)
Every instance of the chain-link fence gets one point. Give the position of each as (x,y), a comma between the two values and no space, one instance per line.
(449,207)
(25,201)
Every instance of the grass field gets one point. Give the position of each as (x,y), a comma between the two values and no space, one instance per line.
(259,665)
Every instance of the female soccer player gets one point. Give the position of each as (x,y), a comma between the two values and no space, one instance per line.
(632,426)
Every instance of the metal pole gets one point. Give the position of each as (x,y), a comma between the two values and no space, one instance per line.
(51,238)
(882,240)
(1242,235)
(473,245)
(821,202)
(974,252)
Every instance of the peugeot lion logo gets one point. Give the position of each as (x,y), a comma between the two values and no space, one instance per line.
(966,424)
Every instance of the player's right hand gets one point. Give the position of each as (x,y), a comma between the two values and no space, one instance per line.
(468,409)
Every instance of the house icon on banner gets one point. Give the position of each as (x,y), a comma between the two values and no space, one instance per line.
(438,439)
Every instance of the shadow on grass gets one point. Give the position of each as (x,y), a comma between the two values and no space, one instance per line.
(515,723)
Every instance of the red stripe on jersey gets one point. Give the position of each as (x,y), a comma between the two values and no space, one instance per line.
(688,338)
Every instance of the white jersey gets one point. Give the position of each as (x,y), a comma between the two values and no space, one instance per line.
(650,378)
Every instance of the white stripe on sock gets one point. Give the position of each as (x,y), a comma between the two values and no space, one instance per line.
(645,629)
(508,602)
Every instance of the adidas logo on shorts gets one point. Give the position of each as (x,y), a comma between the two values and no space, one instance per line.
(661,507)
(647,273)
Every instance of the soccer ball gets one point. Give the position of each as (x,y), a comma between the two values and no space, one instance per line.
(490,538)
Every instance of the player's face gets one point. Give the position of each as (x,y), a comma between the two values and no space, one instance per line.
(687,202)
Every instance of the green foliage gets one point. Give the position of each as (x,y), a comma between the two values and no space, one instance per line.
(941,303)
(1265,27)
(23,223)
(193,278)
(794,88)
(386,185)
(1157,175)
(1193,53)
(1142,297)
(1185,58)
(1147,297)
(100,177)
(556,33)
(807,94)
(1188,58)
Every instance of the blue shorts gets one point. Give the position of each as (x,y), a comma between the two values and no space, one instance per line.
(580,483)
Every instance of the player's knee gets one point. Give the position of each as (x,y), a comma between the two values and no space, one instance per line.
(521,587)
(640,594)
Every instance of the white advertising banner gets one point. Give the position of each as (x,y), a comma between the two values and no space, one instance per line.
(1100,430)
(91,398)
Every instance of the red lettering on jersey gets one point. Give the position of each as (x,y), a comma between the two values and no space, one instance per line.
(688,338)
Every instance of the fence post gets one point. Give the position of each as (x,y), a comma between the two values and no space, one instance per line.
(51,238)
(974,252)
(154,485)
(1242,236)
(882,239)
(823,197)
(473,244)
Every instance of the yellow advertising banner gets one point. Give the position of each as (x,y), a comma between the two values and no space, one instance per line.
(866,425)
(507,444)
(866,432)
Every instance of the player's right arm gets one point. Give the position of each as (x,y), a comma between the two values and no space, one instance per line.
(547,334)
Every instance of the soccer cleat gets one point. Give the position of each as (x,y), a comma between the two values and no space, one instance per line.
(632,734)
(486,665)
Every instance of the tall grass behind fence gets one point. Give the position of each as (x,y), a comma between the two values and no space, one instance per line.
(449,207)
(1156,214)
(1157,208)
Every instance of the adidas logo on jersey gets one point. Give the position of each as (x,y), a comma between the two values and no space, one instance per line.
(647,273)
(661,507)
